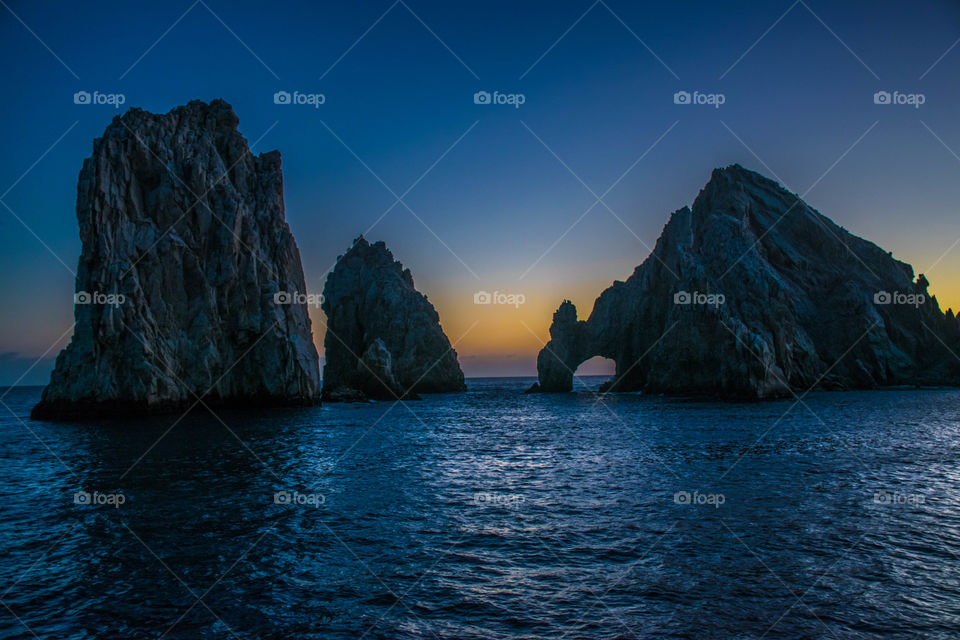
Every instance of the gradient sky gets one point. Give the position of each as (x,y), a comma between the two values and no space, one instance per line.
(503,185)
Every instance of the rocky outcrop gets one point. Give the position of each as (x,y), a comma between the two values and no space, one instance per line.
(751,294)
(569,346)
(189,280)
(384,339)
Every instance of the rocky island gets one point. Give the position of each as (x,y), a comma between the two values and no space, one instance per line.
(384,340)
(189,279)
(751,294)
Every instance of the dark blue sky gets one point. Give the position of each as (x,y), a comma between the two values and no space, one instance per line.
(487,214)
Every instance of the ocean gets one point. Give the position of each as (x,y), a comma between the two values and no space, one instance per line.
(490,514)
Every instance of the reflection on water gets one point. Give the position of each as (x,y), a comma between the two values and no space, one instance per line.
(489,515)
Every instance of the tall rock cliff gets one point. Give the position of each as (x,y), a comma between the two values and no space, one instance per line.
(751,294)
(384,339)
(184,250)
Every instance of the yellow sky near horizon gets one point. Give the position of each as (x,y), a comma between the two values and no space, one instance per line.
(517,333)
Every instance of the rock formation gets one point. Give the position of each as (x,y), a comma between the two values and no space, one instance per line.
(189,280)
(384,339)
(753,294)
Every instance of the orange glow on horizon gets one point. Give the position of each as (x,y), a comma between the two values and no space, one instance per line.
(492,332)
(515,335)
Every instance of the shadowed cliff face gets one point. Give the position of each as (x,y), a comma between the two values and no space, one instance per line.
(752,293)
(184,248)
(384,339)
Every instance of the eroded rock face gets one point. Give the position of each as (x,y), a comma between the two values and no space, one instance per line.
(384,339)
(569,347)
(753,294)
(185,228)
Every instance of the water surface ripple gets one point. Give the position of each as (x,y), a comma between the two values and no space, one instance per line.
(489,514)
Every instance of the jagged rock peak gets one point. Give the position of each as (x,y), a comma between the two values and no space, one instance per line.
(752,293)
(184,229)
(218,113)
(384,339)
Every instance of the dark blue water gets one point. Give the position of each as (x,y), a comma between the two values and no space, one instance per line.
(489,515)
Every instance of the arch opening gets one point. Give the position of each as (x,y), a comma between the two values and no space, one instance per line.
(594,373)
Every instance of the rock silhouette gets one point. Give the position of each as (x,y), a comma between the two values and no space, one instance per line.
(184,252)
(753,294)
(384,339)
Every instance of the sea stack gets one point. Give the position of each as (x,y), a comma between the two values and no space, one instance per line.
(753,294)
(189,283)
(384,340)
